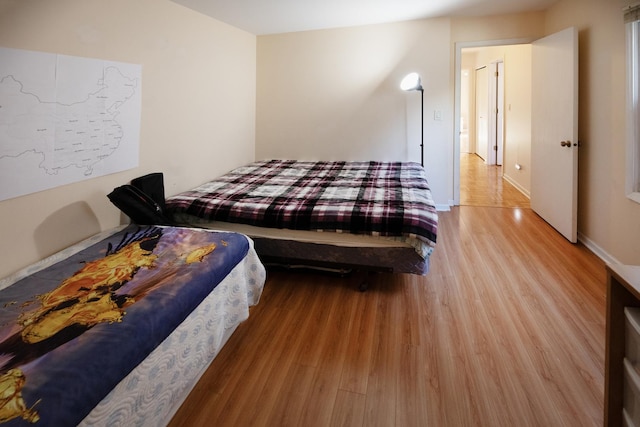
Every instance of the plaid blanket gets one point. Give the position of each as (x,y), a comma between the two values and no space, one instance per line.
(390,199)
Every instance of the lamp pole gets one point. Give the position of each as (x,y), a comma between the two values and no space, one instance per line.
(412,81)
(422,126)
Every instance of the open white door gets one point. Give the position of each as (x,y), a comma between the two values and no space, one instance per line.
(554,131)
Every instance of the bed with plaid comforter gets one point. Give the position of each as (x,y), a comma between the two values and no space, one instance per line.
(388,199)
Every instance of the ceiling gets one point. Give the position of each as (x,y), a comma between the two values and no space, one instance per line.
(262,17)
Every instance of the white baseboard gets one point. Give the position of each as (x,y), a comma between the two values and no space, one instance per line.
(516,185)
(597,250)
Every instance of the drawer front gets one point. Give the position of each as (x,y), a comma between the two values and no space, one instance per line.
(631,400)
(632,336)
(626,419)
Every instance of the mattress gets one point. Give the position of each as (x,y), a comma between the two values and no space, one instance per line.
(326,237)
(339,252)
(155,387)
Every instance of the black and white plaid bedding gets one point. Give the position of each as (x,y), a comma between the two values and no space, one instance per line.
(390,199)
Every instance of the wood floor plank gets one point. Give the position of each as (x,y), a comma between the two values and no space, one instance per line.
(380,409)
(348,409)
(324,388)
(412,384)
(289,407)
(359,335)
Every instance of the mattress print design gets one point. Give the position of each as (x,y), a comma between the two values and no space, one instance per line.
(70,332)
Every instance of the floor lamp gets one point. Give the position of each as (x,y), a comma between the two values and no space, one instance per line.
(412,82)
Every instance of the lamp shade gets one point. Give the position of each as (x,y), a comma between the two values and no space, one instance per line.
(411,82)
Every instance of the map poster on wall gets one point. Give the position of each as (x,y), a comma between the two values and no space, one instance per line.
(64,119)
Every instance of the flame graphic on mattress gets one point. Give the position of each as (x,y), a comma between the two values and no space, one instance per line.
(199,254)
(11,403)
(86,297)
(81,301)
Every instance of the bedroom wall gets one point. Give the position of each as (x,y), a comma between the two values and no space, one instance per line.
(607,220)
(198,107)
(335,94)
(517,64)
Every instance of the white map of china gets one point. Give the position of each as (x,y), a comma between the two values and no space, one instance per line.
(64,119)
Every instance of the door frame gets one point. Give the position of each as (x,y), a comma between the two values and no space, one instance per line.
(496,113)
(456,103)
(482,126)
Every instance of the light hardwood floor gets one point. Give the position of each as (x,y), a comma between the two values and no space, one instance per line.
(483,185)
(507,329)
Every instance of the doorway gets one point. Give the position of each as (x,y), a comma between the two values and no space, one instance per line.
(483,185)
(483,177)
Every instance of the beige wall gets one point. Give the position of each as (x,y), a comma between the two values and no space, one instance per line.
(525,26)
(607,219)
(334,94)
(198,107)
(517,106)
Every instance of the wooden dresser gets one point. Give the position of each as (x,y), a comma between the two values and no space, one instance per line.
(622,358)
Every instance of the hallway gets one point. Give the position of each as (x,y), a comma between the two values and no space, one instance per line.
(482,185)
